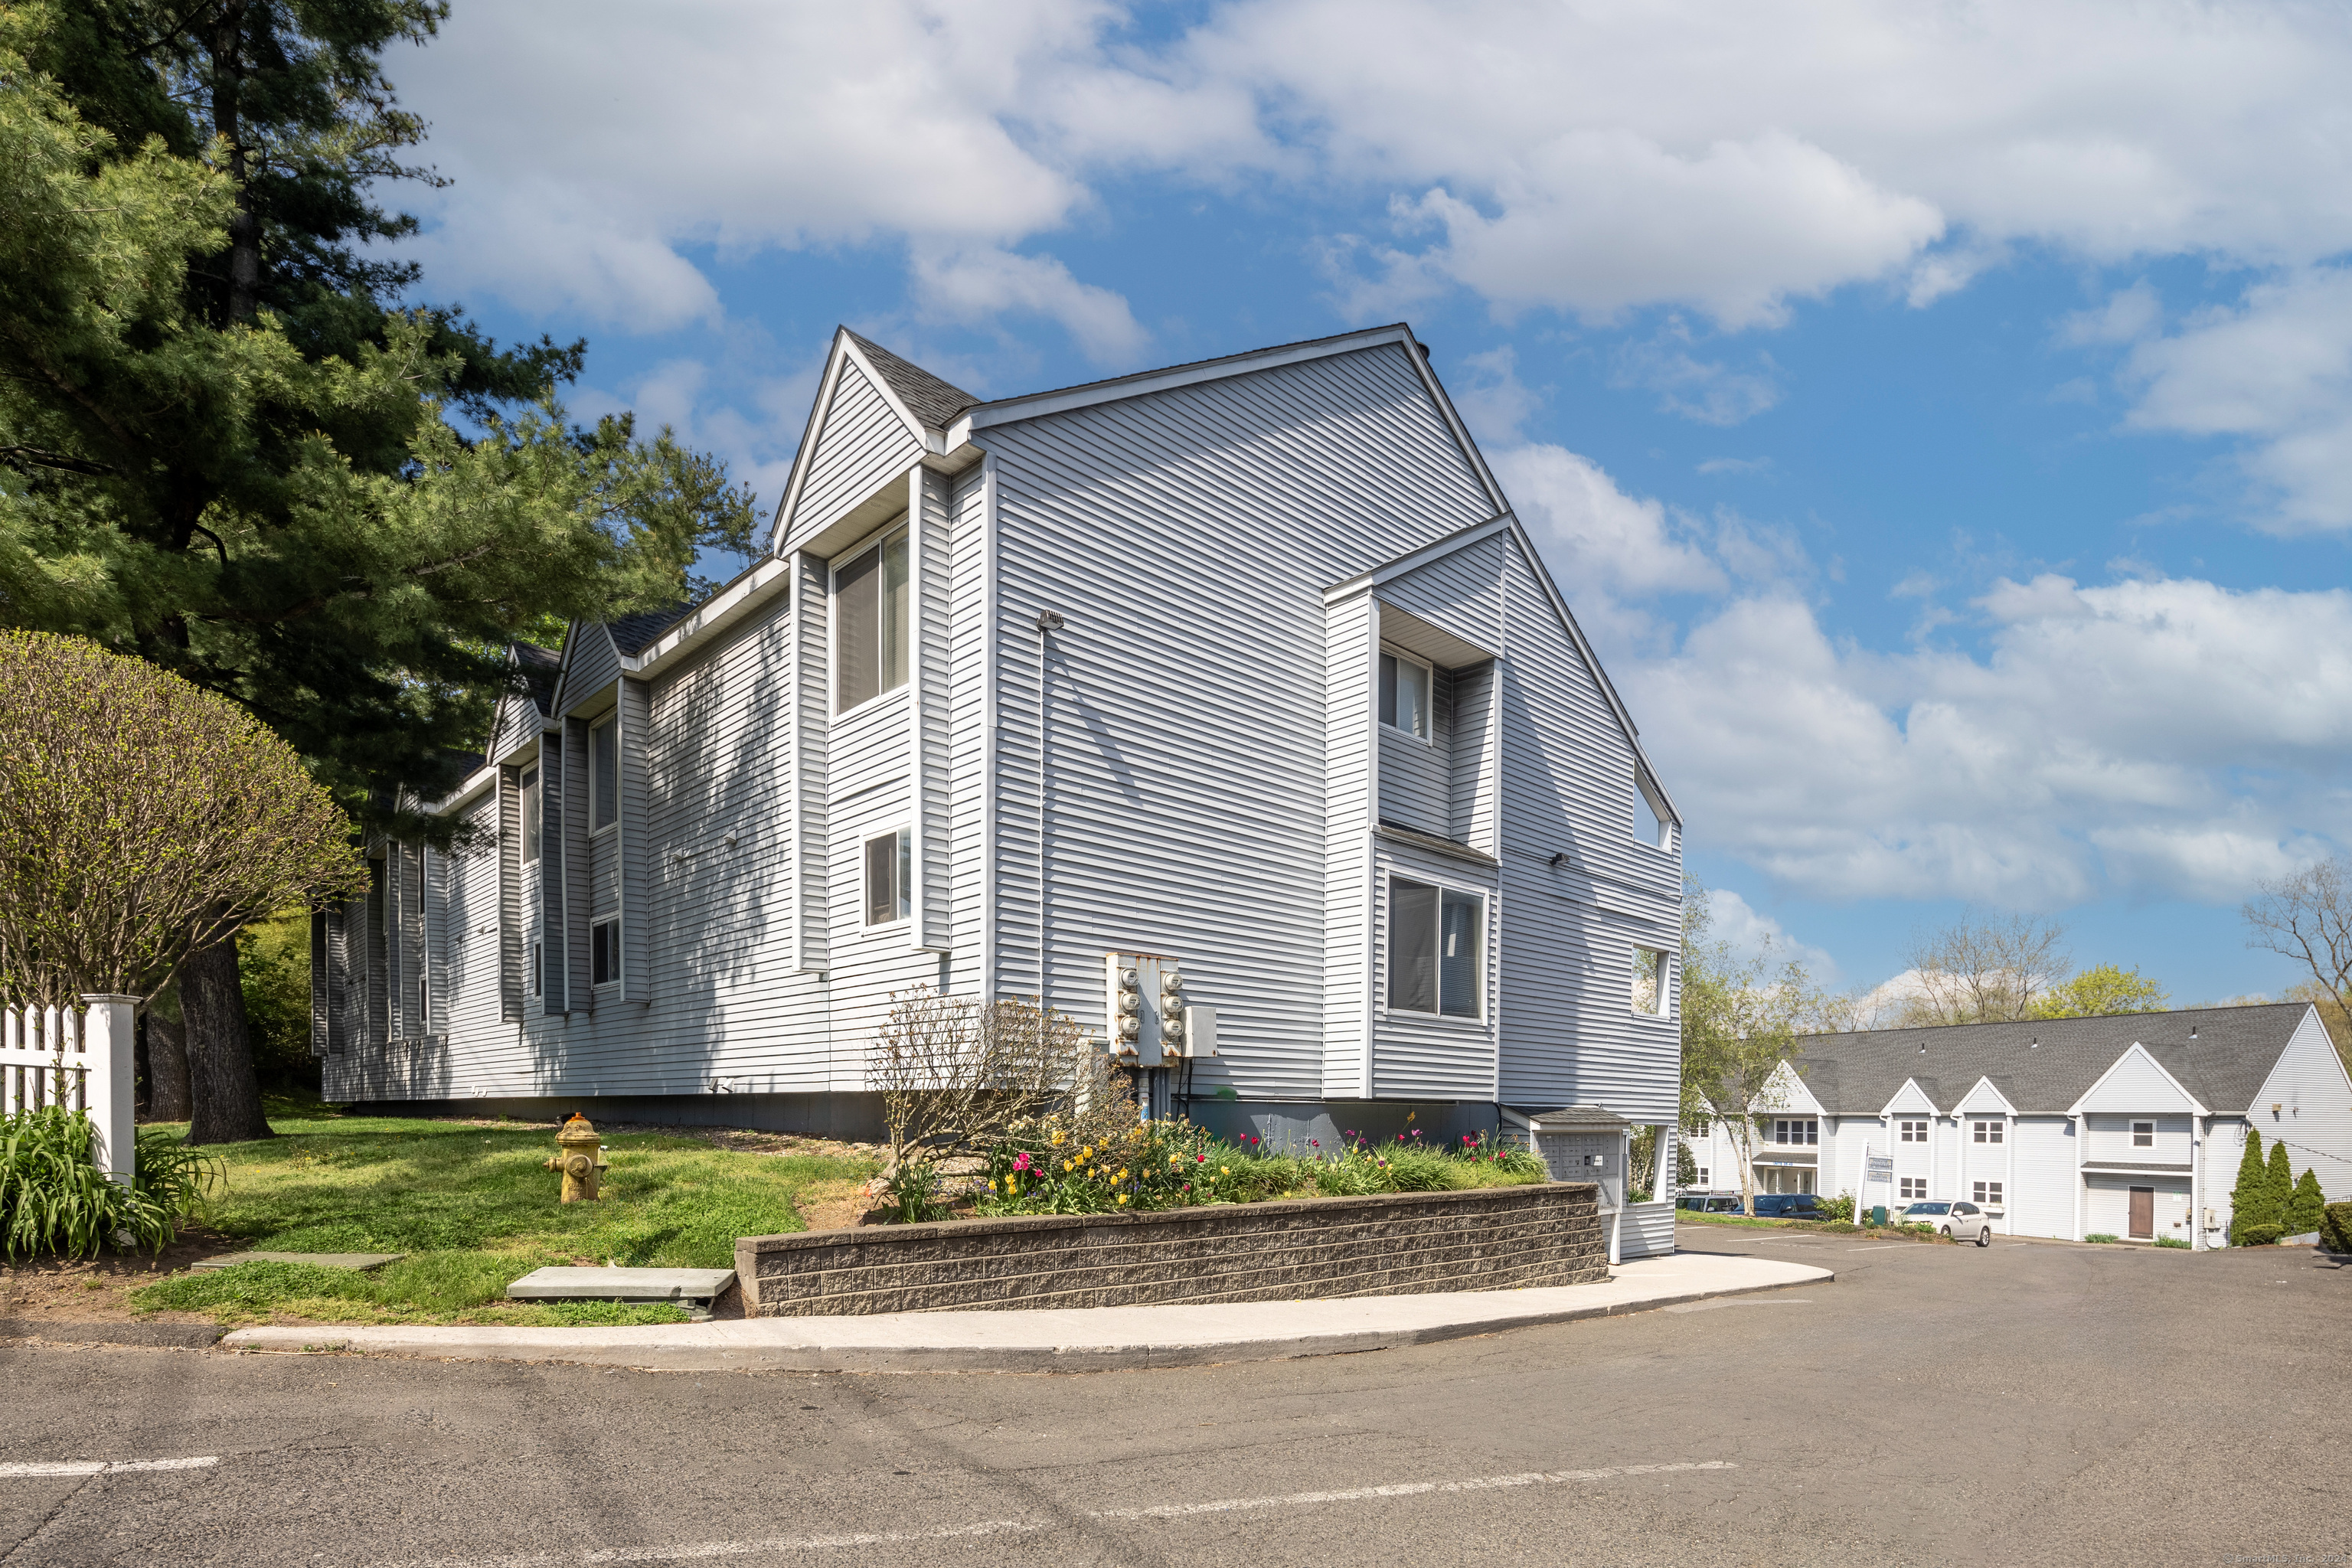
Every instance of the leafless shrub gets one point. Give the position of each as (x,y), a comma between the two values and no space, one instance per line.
(1984,971)
(955,1072)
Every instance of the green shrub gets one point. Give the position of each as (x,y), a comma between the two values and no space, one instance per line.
(1840,1228)
(2306,1207)
(53,1200)
(2250,1199)
(1839,1207)
(911,1191)
(2278,1190)
(2335,1227)
(2101,1236)
(2171,1241)
(2259,1234)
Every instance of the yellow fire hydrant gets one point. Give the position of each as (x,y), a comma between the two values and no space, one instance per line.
(580,1160)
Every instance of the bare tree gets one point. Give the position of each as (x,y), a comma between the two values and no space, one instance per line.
(142,822)
(956,1072)
(2308,917)
(1984,970)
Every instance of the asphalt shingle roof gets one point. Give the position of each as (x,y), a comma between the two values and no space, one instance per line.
(539,667)
(927,397)
(632,633)
(2222,1055)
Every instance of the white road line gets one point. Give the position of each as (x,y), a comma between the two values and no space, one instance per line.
(1883,1247)
(1407,1489)
(107,1467)
(707,1548)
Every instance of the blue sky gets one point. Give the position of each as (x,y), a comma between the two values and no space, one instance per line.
(1940,417)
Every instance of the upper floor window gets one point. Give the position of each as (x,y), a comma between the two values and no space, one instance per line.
(1915,1133)
(530,817)
(1796,1129)
(1650,823)
(870,621)
(604,775)
(2143,1134)
(1986,1132)
(1405,694)
(1651,995)
(1434,938)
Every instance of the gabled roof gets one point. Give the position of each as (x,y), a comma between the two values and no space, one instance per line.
(927,397)
(2219,1054)
(539,666)
(632,633)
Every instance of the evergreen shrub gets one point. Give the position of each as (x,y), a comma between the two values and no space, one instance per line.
(2249,1200)
(2265,1235)
(2306,1207)
(2335,1227)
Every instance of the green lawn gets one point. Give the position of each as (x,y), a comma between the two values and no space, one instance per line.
(472,1209)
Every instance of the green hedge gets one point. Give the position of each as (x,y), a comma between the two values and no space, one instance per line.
(2335,1227)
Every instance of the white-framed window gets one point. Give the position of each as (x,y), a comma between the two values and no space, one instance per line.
(1704,1180)
(1651,826)
(1914,1132)
(531,816)
(604,775)
(1436,938)
(1910,1188)
(1407,688)
(1796,1129)
(889,876)
(1987,1191)
(604,951)
(1698,1126)
(1985,1131)
(2143,1134)
(870,598)
(1651,993)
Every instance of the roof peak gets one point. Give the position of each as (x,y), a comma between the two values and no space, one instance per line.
(930,399)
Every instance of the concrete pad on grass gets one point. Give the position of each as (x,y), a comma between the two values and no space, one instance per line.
(362,1261)
(622,1285)
(1093,1339)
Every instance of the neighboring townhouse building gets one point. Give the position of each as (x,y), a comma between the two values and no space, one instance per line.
(2132,1125)
(1245,663)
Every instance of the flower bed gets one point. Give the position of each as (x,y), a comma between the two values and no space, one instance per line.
(1056,1167)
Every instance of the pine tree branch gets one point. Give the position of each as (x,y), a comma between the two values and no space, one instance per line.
(25,459)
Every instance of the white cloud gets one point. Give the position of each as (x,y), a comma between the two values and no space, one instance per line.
(977,284)
(1596,536)
(1751,933)
(1708,391)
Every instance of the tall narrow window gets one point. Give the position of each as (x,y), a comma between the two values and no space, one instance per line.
(604,951)
(1650,823)
(1435,941)
(1404,694)
(870,597)
(1650,993)
(889,867)
(604,775)
(530,817)
(538,970)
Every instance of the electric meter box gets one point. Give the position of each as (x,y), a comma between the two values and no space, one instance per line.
(1143,1008)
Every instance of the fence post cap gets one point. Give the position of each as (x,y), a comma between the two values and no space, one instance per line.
(108,996)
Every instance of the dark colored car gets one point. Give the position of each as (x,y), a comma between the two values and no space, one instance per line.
(1709,1203)
(1789,1206)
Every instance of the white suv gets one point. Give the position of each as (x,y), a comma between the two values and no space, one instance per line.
(1961,1222)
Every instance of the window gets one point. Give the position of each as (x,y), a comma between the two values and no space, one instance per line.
(1703,1176)
(1651,824)
(538,971)
(531,816)
(2143,1134)
(1650,993)
(1796,1129)
(603,776)
(1910,1188)
(1434,936)
(869,620)
(1915,1133)
(1698,1126)
(889,867)
(424,1006)
(1987,1191)
(1986,1132)
(604,951)
(1404,694)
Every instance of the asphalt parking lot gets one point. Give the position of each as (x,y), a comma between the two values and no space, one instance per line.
(2018,1404)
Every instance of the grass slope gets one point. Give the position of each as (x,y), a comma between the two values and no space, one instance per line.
(473,1210)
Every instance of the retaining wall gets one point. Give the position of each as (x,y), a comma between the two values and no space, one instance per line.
(1394,1243)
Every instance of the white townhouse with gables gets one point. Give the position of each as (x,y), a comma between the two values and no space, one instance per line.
(2132,1125)
(1245,663)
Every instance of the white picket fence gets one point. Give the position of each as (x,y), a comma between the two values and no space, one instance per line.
(79,1059)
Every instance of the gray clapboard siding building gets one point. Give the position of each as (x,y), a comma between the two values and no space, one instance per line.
(2131,1125)
(1245,662)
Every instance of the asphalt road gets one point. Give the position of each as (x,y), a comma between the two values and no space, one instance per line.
(2018,1404)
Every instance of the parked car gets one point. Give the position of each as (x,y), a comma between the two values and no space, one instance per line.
(1709,1203)
(1789,1206)
(1960,1221)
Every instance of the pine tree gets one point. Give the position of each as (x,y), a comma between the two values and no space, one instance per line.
(228,445)
(2306,1207)
(2278,1186)
(2248,1199)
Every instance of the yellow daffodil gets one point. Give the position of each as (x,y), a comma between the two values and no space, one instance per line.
(1224,1170)
(1057,1136)
(1122,1200)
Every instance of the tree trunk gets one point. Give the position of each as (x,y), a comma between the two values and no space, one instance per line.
(225,1095)
(167,1067)
(244,226)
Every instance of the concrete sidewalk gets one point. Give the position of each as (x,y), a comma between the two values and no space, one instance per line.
(1098,1339)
